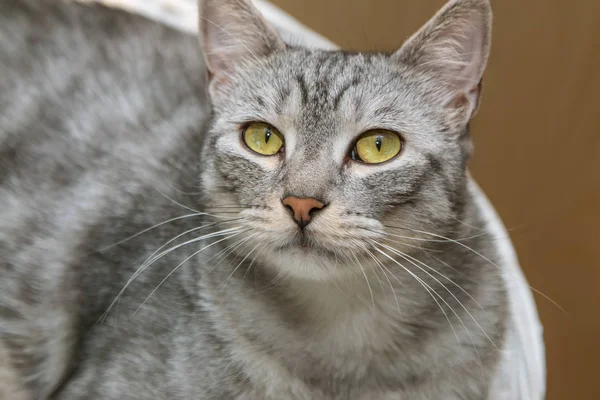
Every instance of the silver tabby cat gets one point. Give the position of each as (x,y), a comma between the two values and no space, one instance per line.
(240,219)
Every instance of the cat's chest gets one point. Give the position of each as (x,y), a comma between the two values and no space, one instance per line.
(354,356)
(318,344)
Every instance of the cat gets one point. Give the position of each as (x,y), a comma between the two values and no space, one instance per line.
(241,218)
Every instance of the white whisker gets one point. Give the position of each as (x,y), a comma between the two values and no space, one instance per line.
(149,262)
(186,233)
(103,249)
(408,258)
(384,269)
(429,290)
(253,260)
(178,203)
(442,239)
(154,258)
(230,249)
(488,260)
(445,264)
(467,331)
(273,282)
(179,265)
(366,278)
(239,264)
(364,249)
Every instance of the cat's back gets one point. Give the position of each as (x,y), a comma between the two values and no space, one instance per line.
(100,111)
(95,106)
(89,78)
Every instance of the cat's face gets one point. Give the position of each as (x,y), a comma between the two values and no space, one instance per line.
(323,153)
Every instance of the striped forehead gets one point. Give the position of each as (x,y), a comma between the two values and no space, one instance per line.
(316,93)
(324,79)
(319,93)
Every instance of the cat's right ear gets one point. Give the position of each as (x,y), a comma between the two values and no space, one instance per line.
(232,32)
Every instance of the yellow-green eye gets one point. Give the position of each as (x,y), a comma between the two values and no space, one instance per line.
(263,138)
(377,146)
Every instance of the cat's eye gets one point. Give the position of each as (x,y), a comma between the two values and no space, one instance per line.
(262,138)
(376,146)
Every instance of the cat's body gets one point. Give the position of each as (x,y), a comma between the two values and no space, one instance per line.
(102,119)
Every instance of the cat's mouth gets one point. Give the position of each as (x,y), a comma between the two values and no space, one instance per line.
(301,241)
(306,243)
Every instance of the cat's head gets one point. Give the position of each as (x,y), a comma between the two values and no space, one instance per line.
(326,154)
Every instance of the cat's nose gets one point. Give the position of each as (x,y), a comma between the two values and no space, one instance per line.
(302,208)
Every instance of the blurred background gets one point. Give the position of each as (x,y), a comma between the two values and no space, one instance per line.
(537,139)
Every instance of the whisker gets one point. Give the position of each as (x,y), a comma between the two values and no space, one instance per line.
(239,264)
(342,291)
(230,249)
(403,243)
(399,242)
(442,239)
(384,269)
(273,282)
(489,261)
(154,257)
(217,213)
(408,258)
(103,249)
(448,305)
(366,278)
(482,229)
(455,284)
(150,257)
(176,202)
(227,206)
(183,192)
(253,260)
(226,252)
(364,249)
(427,288)
(148,263)
(465,223)
(445,264)
(179,265)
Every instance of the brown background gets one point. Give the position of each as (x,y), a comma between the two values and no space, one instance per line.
(538,151)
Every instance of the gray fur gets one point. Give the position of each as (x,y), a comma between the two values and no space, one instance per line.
(106,130)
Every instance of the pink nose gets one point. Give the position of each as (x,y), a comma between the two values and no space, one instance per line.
(302,208)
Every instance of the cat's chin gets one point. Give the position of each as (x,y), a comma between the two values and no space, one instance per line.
(308,250)
(306,245)
(306,261)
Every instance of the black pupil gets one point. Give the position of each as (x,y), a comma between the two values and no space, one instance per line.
(267,135)
(378,142)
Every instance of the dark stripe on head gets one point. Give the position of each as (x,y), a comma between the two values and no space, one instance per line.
(434,164)
(384,111)
(321,62)
(283,96)
(260,101)
(303,88)
(338,96)
(453,194)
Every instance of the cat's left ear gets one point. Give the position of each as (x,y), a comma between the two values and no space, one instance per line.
(232,32)
(453,47)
